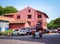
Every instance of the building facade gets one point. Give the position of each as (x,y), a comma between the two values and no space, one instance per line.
(31,16)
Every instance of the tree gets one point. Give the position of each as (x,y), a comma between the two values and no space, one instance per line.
(57,22)
(1,10)
(9,9)
(50,25)
(54,23)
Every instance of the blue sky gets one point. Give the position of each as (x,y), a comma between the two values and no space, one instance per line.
(50,7)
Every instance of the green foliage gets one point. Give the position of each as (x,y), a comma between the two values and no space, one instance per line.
(6,32)
(57,21)
(1,10)
(54,23)
(7,9)
(51,24)
(10,9)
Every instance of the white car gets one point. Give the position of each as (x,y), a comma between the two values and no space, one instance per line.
(19,32)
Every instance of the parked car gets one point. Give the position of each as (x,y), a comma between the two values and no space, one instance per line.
(28,30)
(46,31)
(54,31)
(58,30)
(19,32)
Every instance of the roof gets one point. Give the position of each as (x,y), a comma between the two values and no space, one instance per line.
(16,22)
(3,21)
(42,13)
(10,20)
(9,14)
(6,18)
(45,15)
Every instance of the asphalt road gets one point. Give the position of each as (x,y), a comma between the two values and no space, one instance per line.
(47,39)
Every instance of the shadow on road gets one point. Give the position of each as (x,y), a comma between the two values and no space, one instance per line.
(47,39)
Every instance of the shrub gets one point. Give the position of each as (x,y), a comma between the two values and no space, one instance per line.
(7,32)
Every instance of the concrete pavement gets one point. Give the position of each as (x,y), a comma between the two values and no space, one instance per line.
(47,39)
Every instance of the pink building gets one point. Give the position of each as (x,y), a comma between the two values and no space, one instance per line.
(31,16)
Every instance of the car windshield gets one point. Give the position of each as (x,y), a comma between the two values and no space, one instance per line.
(23,29)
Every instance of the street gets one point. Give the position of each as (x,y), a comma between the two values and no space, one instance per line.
(47,39)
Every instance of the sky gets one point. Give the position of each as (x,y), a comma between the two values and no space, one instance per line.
(50,7)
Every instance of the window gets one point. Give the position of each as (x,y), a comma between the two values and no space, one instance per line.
(18,17)
(29,16)
(28,10)
(39,16)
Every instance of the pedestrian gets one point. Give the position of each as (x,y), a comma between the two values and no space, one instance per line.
(33,33)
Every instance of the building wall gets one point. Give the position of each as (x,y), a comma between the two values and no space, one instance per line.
(34,20)
(24,15)
(16,25)
(44,25)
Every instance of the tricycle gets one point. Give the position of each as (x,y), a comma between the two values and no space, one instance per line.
(37,34)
